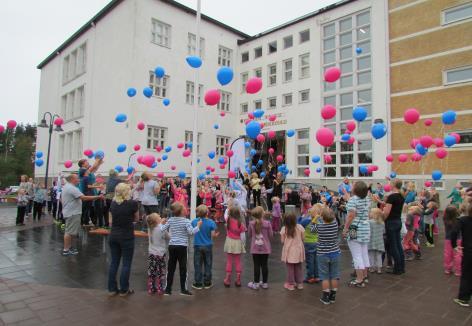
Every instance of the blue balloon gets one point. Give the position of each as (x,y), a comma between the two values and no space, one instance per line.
(260,162)
(130,170)
(258,113)
(315,158)
(252,152)
(363,169)
(39,154)
(201,176)
(420,149)
(437,175)
(247,144)
(131,92)
(198,160)
(345,137)
(221,160)
(393,175)
(194,61)
(263,174)
(121,148)
(168,149)
(190,144)
(290,133)
(119,168)
(39,162)
(449,117)
(449,140)
(318,170)
(121,117)
(378,130)
(224,75)
(165,157)
(147,91)
(159,72)
(247,160)
(166,102)
(99,154)
(154,165)
(216,126)
(280,168)
(253,129)
(91,155)
(359,113)
(358,50)
(211,155)
(208,172)
(253,168)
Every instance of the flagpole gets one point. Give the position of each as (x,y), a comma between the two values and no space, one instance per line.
(193,193)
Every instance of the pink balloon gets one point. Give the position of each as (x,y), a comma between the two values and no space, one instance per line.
(222,166)
(271,151)
(225,159)
(415,157)
(438,142)
(253,85)
(229,153)
(387,187)
(402,158)
(158,148)
(212,170)
(140,159)
(375,168)
(260,138)
(351,140)
(458,137)
(159,160)
(351,125)
(428,122)
(222,113)
(212,97)
(172,167)
(332,74)
(414,142)
(428,184)
(231,174)
(186,153)
(250,115)
(389,158)
(226,145)
(325,137)
(328,112)
(271,134)
(327,158)
(272,117)
(215,177)
(411,115)
(180,145)
(2,129)
(441,153)
(148,160)
(141,125)
(68,164)
(262,124)
(160,175)
(11,124)
(306,172)
(137,147)
(247,121)
(59,121)
(279,158)
(88,152)
(426,141)
(370,169)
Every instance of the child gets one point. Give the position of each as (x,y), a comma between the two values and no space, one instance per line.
(451,258)
(376,245)
(328,255)
(310,243)
(428,214)
(179,228)
(39,198)
(293,251)
(234,244)
(465,229)
(157,255)
(276,214)
(22,202)
(203,248)
(260,233)
(412,224)
(305,198)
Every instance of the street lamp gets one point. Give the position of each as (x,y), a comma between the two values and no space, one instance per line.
(44,124)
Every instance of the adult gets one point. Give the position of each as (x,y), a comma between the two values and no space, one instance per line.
(455,195)
(325,193)
(278,185)
(410,194)
(150,191)
(357,231)
(87,186)
(123,212)
(27,185)
(344,188)
(268,182)
(164,195)
(113,181)
(392,210)
(72,199)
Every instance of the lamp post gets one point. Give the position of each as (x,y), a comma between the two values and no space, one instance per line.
(44,124)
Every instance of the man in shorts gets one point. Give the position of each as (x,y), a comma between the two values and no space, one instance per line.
(72,198)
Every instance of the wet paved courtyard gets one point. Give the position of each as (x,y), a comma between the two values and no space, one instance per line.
(40,287)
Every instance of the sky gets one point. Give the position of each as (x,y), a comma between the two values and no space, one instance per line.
(31,29)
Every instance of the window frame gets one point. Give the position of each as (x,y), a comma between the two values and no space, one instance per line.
(284,97)
(244,80)
(161,141)
(444,12)
(222,57)
(269,106)
(225,102)
(446,71)
(155,22)
(285,70)
(269,75)
(288,37)
(243,55)
(241,108)
(188,137)
(153,85)
(300,101)
(460,132)
(190,93)
(271,44)
(300,66)
(302,141)
(192,49)
(300,36)
(256,70)
(221,142)
(256,50)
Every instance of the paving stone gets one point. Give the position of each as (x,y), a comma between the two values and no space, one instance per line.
(16,315)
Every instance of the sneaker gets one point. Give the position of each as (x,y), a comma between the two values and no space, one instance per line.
(167,292)
(366,280)
(300,286)
(253,286)
(310,280)
(208,286)
(186,293)
(325,298)
(354,283)
(379,271)
(332,296)
(265,286)
(429,245)
(447,272)
(462,303)
(74,251)
(66,253)
(197,286)
(289,287)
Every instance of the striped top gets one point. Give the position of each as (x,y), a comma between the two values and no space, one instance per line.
(361,219)
(328,240)
(377,231)
(179,228)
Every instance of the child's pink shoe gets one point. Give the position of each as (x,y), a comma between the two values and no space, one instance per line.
(289,287)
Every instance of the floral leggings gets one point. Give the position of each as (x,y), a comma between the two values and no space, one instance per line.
(156,274)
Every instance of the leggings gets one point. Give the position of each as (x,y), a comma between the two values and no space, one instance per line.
(237,262)
(428,232)
(257,197)
(20,214)
(156,273)
(294,273)
(37,210)
(260,264)
(177,254)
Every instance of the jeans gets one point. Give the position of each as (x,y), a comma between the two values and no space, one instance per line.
(99,213)
(149,209)
(311,260)
(163,203)
(37,210)
(393,230)
(256,194)
(203,260)
(20,214)
(465,288)
(329,267)
(120,248)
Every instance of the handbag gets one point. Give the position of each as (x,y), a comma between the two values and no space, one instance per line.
(353,230)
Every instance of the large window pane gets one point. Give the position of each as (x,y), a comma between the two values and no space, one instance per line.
(329,57)
(303,149)
(346,147)
(328,30)
(346,99)
(365,126)
(364,96)
(330,100)
(363,18)
(303,134)
(346,67)
(345,24)
(346,81)
(329,87)
(346,113)
(330,171)
(332,127)
(303,160)
(364,78)
(347,171)
(363,33)
(365,145)
(345,39)
(363,63)
(329,44)
(347,158)
(365,46)
(345,53)
(365,158)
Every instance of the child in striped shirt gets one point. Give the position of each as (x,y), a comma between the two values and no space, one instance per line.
(180,228)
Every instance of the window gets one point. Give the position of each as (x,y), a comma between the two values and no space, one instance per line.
(221,145)
(244,108)
(257,104)
(303,151)
(258,72)
(192,45)
(288,42)
(455,14)
(225,56)
(272,74)
(74,64)
(466,137)
(288,70)
(272,103)
(304,36)
(287,99)
(304,65)
(458,75)
(272,47)
(161,33)
(156,136)
(189,139)
(159,86)
(224,104)
(245,57)
(244,78)
(438,185)
(70,145)
(189,93)
(258,52)
(304,96)
(72,104)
